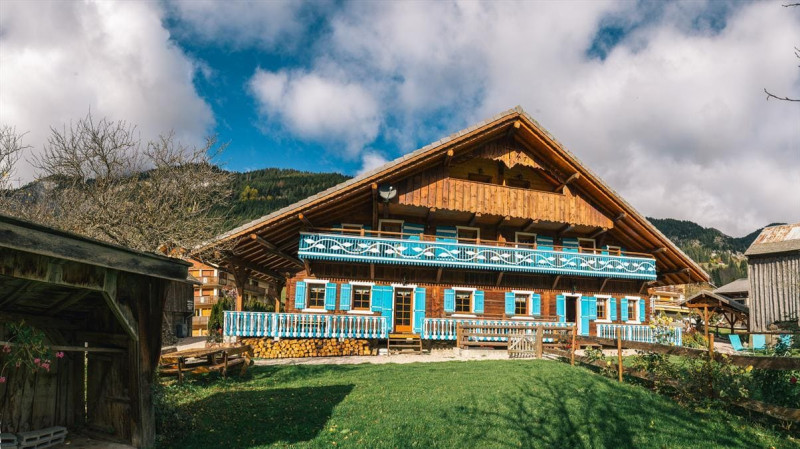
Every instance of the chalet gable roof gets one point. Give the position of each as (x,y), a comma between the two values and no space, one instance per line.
(776,239)
(672,261)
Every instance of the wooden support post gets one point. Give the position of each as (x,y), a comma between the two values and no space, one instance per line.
(458,335)
(619,352)
(224,364)
(711,347)
(705,321)
(572,347)
(180,370)
(539,341)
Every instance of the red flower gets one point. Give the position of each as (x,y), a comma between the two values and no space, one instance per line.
(36,360)
(793,380)
(60,355)
(2,379)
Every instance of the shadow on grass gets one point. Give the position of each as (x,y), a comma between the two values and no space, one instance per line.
(261,417)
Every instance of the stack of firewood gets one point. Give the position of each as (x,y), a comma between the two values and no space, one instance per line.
(268,348)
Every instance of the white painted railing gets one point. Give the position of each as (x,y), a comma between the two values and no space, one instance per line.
(304,325)
(445,328)
(642,333)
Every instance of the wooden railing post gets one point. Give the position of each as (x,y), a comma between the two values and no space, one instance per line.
(710,359)
(458,335)
(572,352)
(539,341)
(619,352)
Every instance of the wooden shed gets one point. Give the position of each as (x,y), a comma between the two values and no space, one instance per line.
(773,268)
(102,305)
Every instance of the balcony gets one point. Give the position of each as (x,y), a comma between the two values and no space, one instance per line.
(304,325)
(205,301)
(424,250)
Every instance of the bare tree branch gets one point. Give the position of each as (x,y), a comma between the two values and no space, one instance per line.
(771,95)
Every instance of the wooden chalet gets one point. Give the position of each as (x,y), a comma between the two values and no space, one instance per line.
(102,306)
(773,268)
(497,223)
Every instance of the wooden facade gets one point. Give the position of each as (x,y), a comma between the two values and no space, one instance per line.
(497,222)
(773,271)
(102,305)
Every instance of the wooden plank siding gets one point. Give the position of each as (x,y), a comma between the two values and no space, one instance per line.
(492,199)
(774,290)
(494,297)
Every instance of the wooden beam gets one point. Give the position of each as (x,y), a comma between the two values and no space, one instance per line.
(42,321)
(598,232)
(67,302)
(438,275)
(372,271)
(620,216)
(448,158)
(566,229)
(676,272)
(603,286)
(644,285)
(241,263)
(307,266)
(499,279)
(513,128)
(529,227)
(429,216)
(555,282)
(305,220)
(474,218)
(374,205)
(658,250)
(75,348)
(569,180)
(13,296)
(272,249)
(121,311)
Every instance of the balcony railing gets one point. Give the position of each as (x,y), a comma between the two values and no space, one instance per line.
(423,250)
(205,301)
(446,328)
(642,333)
(304,325)
(199,321)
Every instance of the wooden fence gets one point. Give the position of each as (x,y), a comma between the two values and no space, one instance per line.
(521,339)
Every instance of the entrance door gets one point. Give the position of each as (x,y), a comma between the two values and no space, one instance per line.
(403,309)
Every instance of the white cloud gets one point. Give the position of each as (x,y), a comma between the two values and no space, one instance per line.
(371,160)
(267,24)
(319,109)
(58,60)
(680,94)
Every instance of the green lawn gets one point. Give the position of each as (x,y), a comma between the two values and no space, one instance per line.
(483,404)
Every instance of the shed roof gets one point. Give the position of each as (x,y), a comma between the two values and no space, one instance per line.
(723,301)
(776,239)
(741,285)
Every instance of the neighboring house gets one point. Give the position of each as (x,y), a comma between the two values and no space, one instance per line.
(211,281)
(667,300)
(773,268)
(738,290)
(496,222)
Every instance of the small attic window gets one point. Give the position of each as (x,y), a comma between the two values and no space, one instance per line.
(479,177)
(518,181)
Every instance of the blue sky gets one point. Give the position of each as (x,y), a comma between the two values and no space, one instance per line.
(664,100)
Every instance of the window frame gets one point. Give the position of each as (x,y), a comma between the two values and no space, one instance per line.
(308,307)
(470,228)
(517,234)
(635,301)
(353,307)
(527,300)
(529,307)
(586,239)
(391,221)
(606,308)
(471,313)
(614,250)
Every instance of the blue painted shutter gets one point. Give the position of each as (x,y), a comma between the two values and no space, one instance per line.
(536,307)
(592,308)
(561,308)
(376,298)
(300,296)
(544,242)
(344,297)
(446,233)
(641,316)
(387,302)
(612,304)
(585,315)
(570,244)
(330,296)
(419,309)
(449,300)
(623,309)
(478,301)
(510,309)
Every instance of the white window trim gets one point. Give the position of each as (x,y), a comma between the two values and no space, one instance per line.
(471,228)
(308,290)
(387,220)
(584,239)
(352,226)
(617,249)
(608,308)
(369,311)
(528,307)
(637,299)
(471,304)
(411,286)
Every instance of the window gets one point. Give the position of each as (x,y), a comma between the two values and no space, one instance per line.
(602,306)
(316,296)
(468,235)
(633,306)
(586,245)
(614,250)
(525,239)
(395,226)
(463,301)
(521,304)
(361,295)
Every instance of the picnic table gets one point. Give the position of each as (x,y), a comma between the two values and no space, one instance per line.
(204,360)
